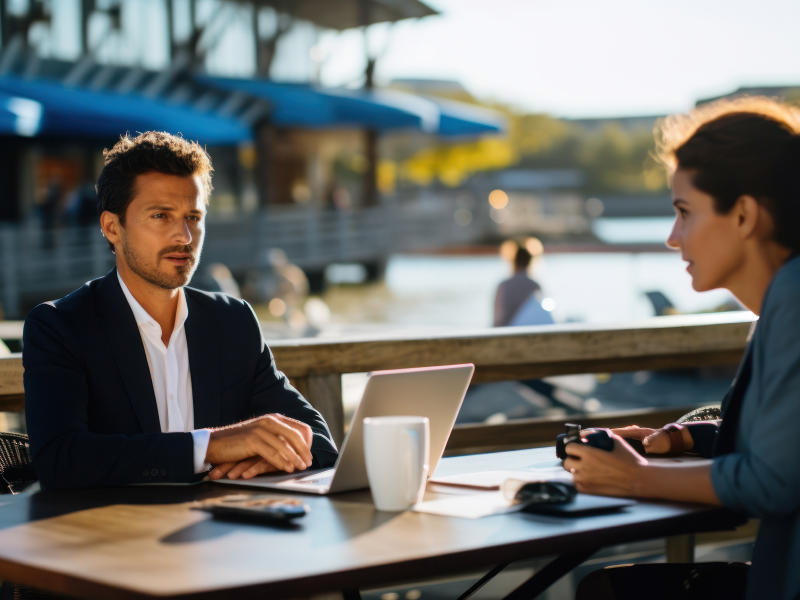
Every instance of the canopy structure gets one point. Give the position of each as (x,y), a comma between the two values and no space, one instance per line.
(458,119)
(70,111)
(304,106)
(345,14)
(19,116)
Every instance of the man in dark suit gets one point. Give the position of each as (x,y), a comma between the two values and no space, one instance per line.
(134,378)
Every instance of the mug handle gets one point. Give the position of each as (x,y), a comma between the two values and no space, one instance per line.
(413,464)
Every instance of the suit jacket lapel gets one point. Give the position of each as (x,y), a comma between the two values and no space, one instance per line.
(202,341)
(116,319)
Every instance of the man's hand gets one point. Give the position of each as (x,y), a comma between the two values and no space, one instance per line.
(268,443)
(245,469)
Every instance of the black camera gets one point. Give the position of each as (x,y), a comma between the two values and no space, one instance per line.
(599,438)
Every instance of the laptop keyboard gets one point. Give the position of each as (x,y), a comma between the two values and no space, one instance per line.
(317,480)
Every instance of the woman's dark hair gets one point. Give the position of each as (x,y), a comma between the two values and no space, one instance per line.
(149,152)
(744,147)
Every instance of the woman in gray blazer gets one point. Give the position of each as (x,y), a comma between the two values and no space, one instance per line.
(735,170)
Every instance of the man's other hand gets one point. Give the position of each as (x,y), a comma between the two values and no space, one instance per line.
(281,443)
(246,469)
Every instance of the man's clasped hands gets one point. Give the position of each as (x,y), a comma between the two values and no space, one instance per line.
(261,445)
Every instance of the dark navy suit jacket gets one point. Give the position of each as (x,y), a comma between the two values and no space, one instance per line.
(89,402)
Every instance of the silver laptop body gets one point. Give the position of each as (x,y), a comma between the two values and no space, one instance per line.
(433,392)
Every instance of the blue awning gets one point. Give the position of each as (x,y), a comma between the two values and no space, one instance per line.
(19,116)
(69,111)
(304,106)
(458,119)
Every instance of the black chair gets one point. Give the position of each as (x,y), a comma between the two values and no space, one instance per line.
(706,413)
(16,473)
(16,466)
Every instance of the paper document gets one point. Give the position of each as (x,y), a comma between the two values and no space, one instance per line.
(472,506)
(492,480)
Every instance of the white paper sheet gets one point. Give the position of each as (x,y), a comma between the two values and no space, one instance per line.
(472,506)
(492,480)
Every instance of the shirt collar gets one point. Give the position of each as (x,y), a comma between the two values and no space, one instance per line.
(143,317)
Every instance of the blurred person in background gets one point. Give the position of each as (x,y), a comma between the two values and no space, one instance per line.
(735,169)
(513,293)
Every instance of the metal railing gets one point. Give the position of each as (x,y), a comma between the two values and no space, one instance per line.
(316,366)
(49,263)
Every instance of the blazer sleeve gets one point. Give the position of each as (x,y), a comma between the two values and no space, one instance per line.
(272,393)
(65,453)
(764,480)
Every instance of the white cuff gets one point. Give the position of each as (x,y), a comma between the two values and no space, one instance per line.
(200,438)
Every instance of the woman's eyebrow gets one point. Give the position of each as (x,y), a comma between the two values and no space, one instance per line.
(679,201)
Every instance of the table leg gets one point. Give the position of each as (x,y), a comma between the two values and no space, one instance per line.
(680,548)
(351,595)
(554,571)
(482,581)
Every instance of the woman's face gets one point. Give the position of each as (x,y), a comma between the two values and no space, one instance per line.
(708,241)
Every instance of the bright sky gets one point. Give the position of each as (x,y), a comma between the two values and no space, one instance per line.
(582,58)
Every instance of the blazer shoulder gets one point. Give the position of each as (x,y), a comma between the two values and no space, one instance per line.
(785,287)
(74,306)
(223,305)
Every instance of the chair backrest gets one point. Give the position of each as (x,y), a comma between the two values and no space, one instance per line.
(706,413)
(16,466)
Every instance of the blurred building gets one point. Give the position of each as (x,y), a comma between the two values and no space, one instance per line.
(293,160)
(254,63)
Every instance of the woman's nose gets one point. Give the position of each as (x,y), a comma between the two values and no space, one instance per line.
(674,239)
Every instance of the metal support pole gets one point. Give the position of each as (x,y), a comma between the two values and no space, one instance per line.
(550,574)
(10,272)
(680,548)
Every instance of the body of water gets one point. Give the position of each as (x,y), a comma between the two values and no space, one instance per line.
(430,291)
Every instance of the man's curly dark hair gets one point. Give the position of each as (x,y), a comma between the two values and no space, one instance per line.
(149,152)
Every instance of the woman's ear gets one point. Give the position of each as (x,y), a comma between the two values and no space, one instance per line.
(749,217)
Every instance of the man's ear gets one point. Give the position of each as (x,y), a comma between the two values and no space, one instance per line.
(109,223)
(747,213)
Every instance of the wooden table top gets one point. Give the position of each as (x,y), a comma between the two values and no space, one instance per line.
(144,541)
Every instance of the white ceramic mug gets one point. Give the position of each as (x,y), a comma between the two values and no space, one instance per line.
(396,451)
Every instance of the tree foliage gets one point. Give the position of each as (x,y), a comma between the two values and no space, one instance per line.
(613,159)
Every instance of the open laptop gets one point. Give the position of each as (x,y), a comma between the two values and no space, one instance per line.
(433,392)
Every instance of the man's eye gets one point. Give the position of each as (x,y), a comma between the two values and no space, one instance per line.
(159,216)
(194,218)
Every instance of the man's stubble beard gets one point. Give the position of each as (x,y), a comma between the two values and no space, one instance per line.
(183,275)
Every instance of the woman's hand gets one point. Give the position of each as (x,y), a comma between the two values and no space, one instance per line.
(615,473)
(655,441)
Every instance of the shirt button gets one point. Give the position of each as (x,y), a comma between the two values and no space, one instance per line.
(154,472)
(145,472)
(171,397)
(163,472)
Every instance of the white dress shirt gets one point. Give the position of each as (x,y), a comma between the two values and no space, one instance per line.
(169,372)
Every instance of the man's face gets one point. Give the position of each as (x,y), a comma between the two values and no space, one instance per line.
(164,229)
